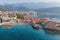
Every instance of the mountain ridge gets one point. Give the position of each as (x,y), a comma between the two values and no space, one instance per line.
(25,7)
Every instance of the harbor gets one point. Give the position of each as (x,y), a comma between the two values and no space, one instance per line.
(28,18)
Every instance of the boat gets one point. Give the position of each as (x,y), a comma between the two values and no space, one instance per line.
(35,26)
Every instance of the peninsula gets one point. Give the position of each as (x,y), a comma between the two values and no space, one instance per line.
(9,18)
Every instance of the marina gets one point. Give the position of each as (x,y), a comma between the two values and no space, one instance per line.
(22,26)
(23,18)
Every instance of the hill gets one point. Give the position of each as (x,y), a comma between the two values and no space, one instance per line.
(50,10)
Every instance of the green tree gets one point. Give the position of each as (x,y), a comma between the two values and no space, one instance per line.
(20,16)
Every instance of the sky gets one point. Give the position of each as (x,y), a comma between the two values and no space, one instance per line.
(19,1)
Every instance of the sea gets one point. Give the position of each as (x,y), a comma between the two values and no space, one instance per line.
(26,32)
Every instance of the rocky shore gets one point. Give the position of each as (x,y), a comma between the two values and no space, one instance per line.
(36,23)
(46,24)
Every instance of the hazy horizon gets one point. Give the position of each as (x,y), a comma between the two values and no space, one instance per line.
(22,1)
(32,4)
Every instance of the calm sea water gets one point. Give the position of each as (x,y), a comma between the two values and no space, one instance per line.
(24,32)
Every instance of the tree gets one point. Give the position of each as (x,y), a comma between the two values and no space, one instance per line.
(20,16)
